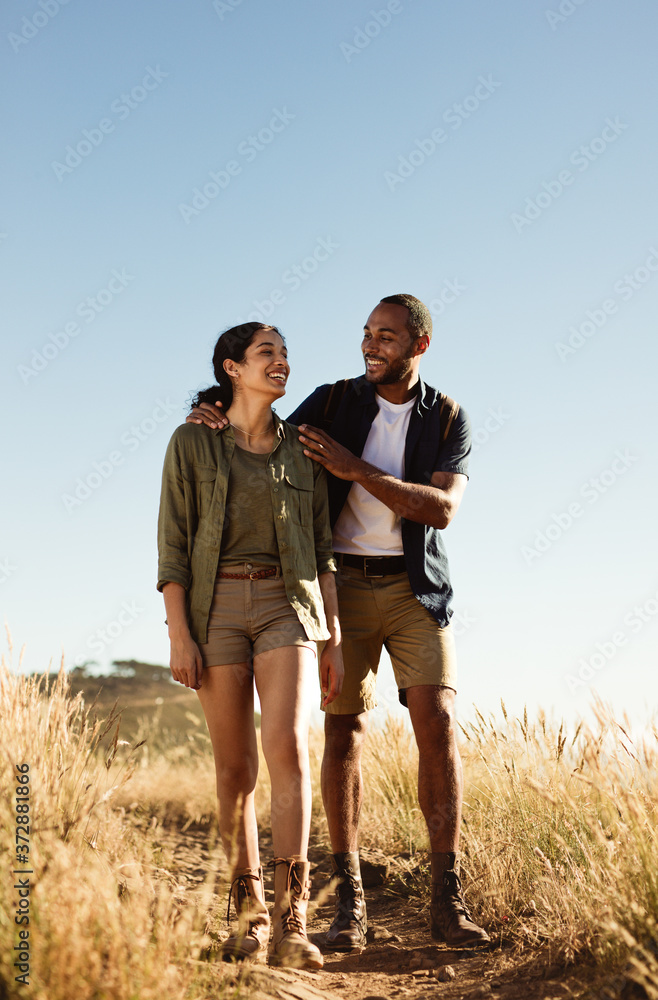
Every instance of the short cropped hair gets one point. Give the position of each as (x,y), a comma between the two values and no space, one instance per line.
(420,318)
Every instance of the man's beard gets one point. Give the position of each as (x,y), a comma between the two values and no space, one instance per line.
(392,372)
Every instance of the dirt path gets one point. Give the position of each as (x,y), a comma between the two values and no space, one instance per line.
(400,961)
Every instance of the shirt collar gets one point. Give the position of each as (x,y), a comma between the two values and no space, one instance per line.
(279,425)
(367,393)
(421,395)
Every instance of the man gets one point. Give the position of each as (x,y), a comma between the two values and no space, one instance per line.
(397,455)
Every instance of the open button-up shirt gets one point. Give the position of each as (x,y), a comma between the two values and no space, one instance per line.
(191,519)
(425,453)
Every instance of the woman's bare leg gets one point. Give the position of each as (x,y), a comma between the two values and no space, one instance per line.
(227,698)
(283,678)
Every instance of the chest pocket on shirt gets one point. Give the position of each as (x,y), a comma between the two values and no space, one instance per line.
(299,489)
(199,483)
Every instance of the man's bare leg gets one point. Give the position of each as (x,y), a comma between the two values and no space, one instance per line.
(440,784)
(342,794)
(440,791)
(342,782)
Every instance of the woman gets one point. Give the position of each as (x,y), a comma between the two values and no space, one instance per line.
(247,573)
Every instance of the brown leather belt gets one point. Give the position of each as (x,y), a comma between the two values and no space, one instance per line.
(260,574)
(373,566)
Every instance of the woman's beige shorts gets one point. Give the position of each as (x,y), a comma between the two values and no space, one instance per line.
(248,617)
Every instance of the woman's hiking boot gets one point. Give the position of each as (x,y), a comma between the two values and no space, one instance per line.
(248,895)
(450,919)
(292,890)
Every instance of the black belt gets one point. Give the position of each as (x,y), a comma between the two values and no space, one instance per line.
(373,565)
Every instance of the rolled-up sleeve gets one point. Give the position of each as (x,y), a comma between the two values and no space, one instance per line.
(454,453)
(324,552)
(173,552)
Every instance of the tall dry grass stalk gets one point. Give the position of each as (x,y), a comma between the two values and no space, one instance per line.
(103,920)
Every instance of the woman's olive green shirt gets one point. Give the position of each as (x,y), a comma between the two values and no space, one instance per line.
(191,519)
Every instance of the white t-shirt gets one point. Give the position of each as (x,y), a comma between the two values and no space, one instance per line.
(366,526)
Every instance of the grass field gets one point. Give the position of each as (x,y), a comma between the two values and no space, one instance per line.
(560,842)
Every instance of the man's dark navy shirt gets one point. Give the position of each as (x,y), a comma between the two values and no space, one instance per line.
(425,555)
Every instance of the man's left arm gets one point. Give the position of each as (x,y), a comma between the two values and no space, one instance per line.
(435,504)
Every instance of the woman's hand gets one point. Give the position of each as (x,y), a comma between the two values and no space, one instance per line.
(185,661)
(332,671)
(331,658)
(210,414)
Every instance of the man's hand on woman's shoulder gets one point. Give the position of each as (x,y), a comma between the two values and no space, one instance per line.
(210,414)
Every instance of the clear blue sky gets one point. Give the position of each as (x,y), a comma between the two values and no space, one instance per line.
(171,168)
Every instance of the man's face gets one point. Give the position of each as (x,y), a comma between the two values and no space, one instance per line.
(388,347)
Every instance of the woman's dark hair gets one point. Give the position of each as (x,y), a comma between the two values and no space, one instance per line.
(231,346)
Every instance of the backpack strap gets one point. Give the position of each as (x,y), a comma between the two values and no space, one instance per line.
(447,413)
(334,399)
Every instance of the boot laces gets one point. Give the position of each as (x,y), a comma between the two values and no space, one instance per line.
(349,900)
(349,887)
(291,919)
(239,883)
(452,894)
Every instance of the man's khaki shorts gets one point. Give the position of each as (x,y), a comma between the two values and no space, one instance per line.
(248,617)
(384,612)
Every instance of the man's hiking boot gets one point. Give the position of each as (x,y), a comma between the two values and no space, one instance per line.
(348,929)
(450,919)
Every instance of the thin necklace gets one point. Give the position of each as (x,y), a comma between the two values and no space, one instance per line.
(260,434)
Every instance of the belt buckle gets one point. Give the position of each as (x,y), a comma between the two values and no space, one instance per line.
(255,575)
(370,576)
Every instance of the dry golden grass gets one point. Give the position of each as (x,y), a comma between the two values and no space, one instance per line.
(560,835)
(104,921)
(561,850)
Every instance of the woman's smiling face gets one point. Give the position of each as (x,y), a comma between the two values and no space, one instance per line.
(265,367)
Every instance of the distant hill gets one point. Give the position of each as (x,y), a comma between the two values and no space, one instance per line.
(150,702)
